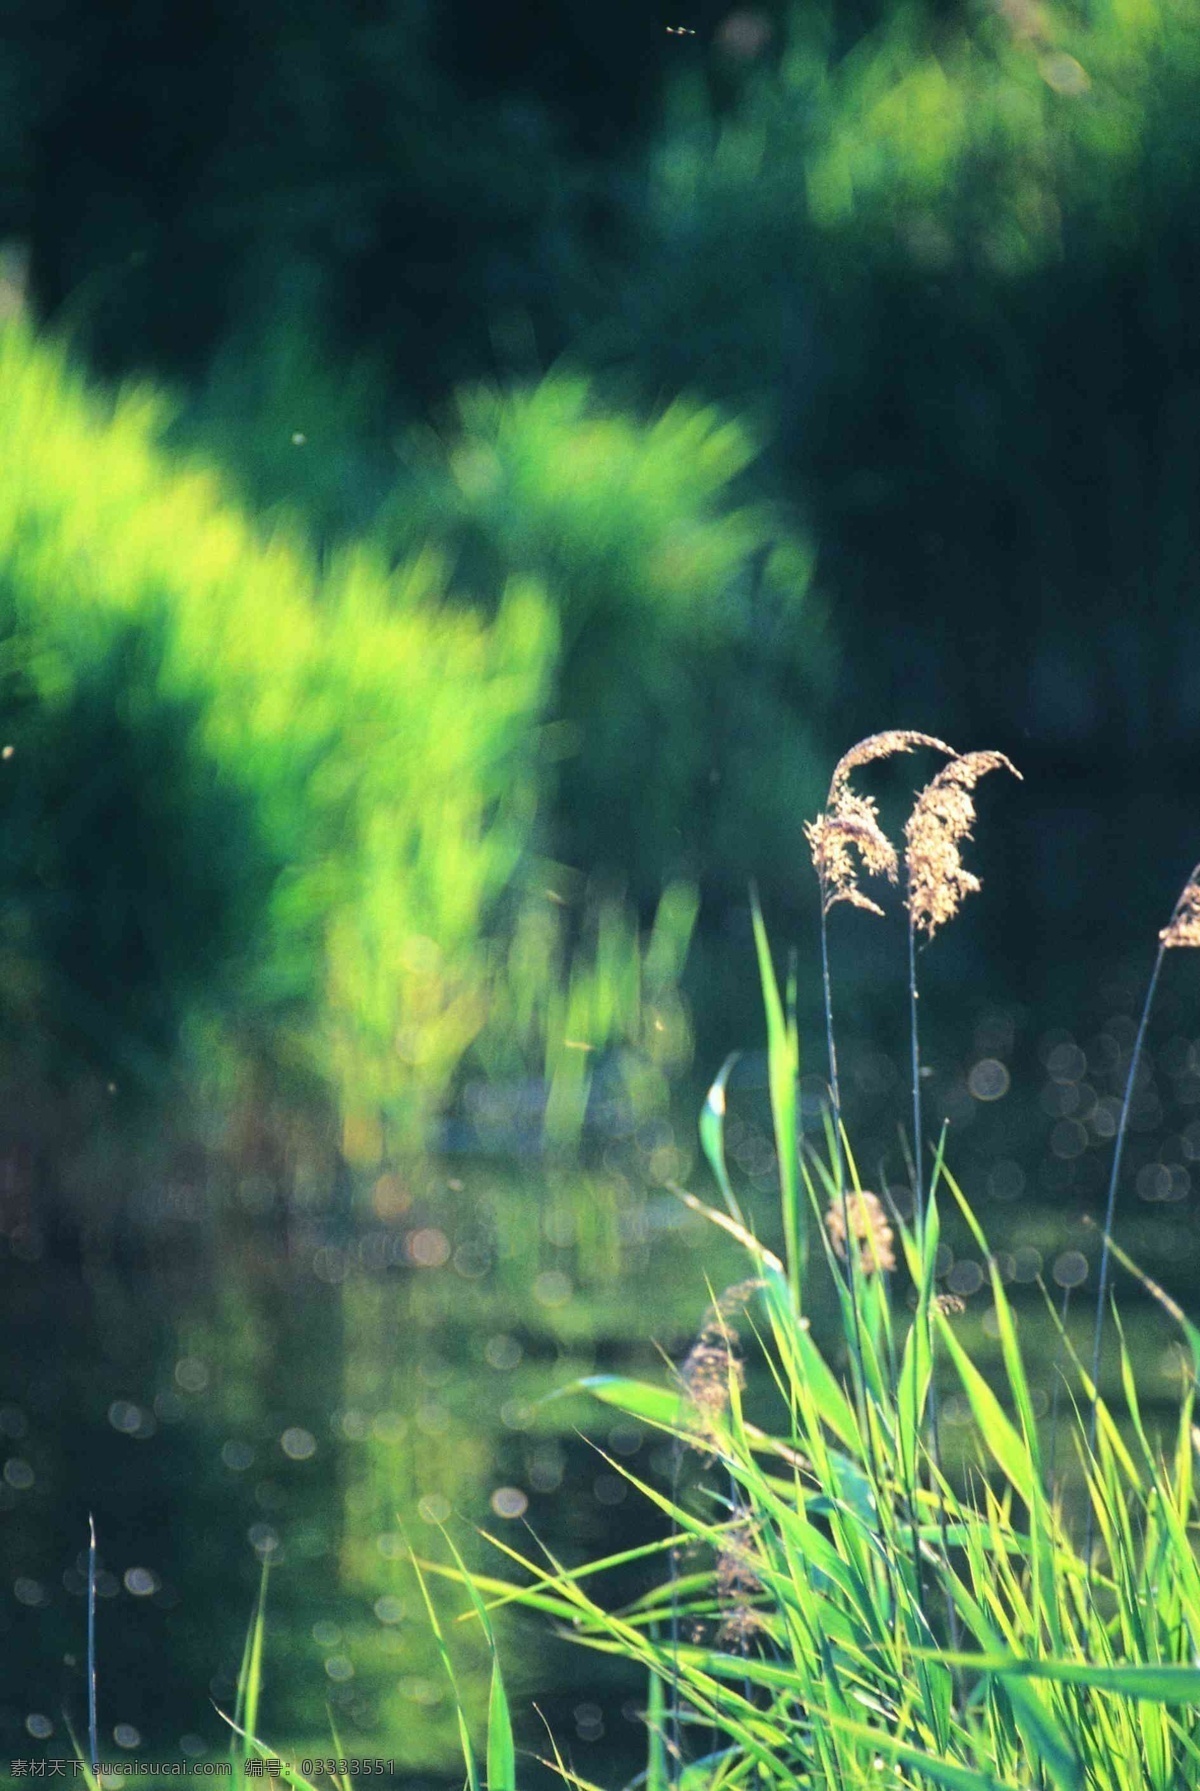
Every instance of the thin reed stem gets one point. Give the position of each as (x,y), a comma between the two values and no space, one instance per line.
(1109,1212)
(935,1457)
(831,1050)
(93,1731)
(852,1262)
(915,1055)
(863,1398)
(674,1716)
(910,1490)
(919,1208)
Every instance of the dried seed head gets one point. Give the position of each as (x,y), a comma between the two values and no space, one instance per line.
(738,1582)
(734,1300)
(713,1362)
(868,1224)
(739,1626)
(850,823)
(737,1571)
(1183,927)
(940,821)
(949,1305)
(706,1373)
(831,837)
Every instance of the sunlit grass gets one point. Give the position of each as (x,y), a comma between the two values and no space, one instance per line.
(858,1536)
(868,1616)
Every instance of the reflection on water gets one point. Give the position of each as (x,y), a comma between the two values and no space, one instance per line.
(221,1396)
(284,1386)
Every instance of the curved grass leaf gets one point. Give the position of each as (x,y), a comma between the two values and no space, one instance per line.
(944,1773)
(783,1075)
(712,1135)
(1161,1684)
(501,1753)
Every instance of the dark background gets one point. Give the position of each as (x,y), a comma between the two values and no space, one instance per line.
(974,382)
(992,451)
(997,467)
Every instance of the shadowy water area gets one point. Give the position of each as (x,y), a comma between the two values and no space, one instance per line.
(225,1385)
(224,1392)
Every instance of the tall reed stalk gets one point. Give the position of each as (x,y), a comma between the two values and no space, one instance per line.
(1182,930)
(935,885)
(914,1053)
(846,830)
(93,1732)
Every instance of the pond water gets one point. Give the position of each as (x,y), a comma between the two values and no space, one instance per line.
(220,1394)
(227,1384)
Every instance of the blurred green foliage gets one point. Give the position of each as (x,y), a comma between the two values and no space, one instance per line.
(692,660)
(940,250)
(300,807)
(938,254)
(239,792)
(951,263)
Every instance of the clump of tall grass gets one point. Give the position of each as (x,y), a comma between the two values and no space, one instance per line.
(866,1619)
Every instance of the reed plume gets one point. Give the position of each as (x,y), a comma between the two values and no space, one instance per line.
(849,826)
(707,1373)
(845,838)
(1182,930)
(738,1584)
(942,818)
(712,1364)
(861,1216)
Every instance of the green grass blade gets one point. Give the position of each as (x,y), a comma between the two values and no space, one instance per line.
(84,1765)
(93,1743)
(1014,1366)
(808,1366)
(464,1734)
(712,1136)
(249,1681)
(287,1772)
(1043,1733)
(944,1773)
(1007,1448)
(501,1752)
(340,1779)
(658,1772)
(783,1073)
(768,1263)
(1190,1331)
(660,1406)
(1159,1683)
